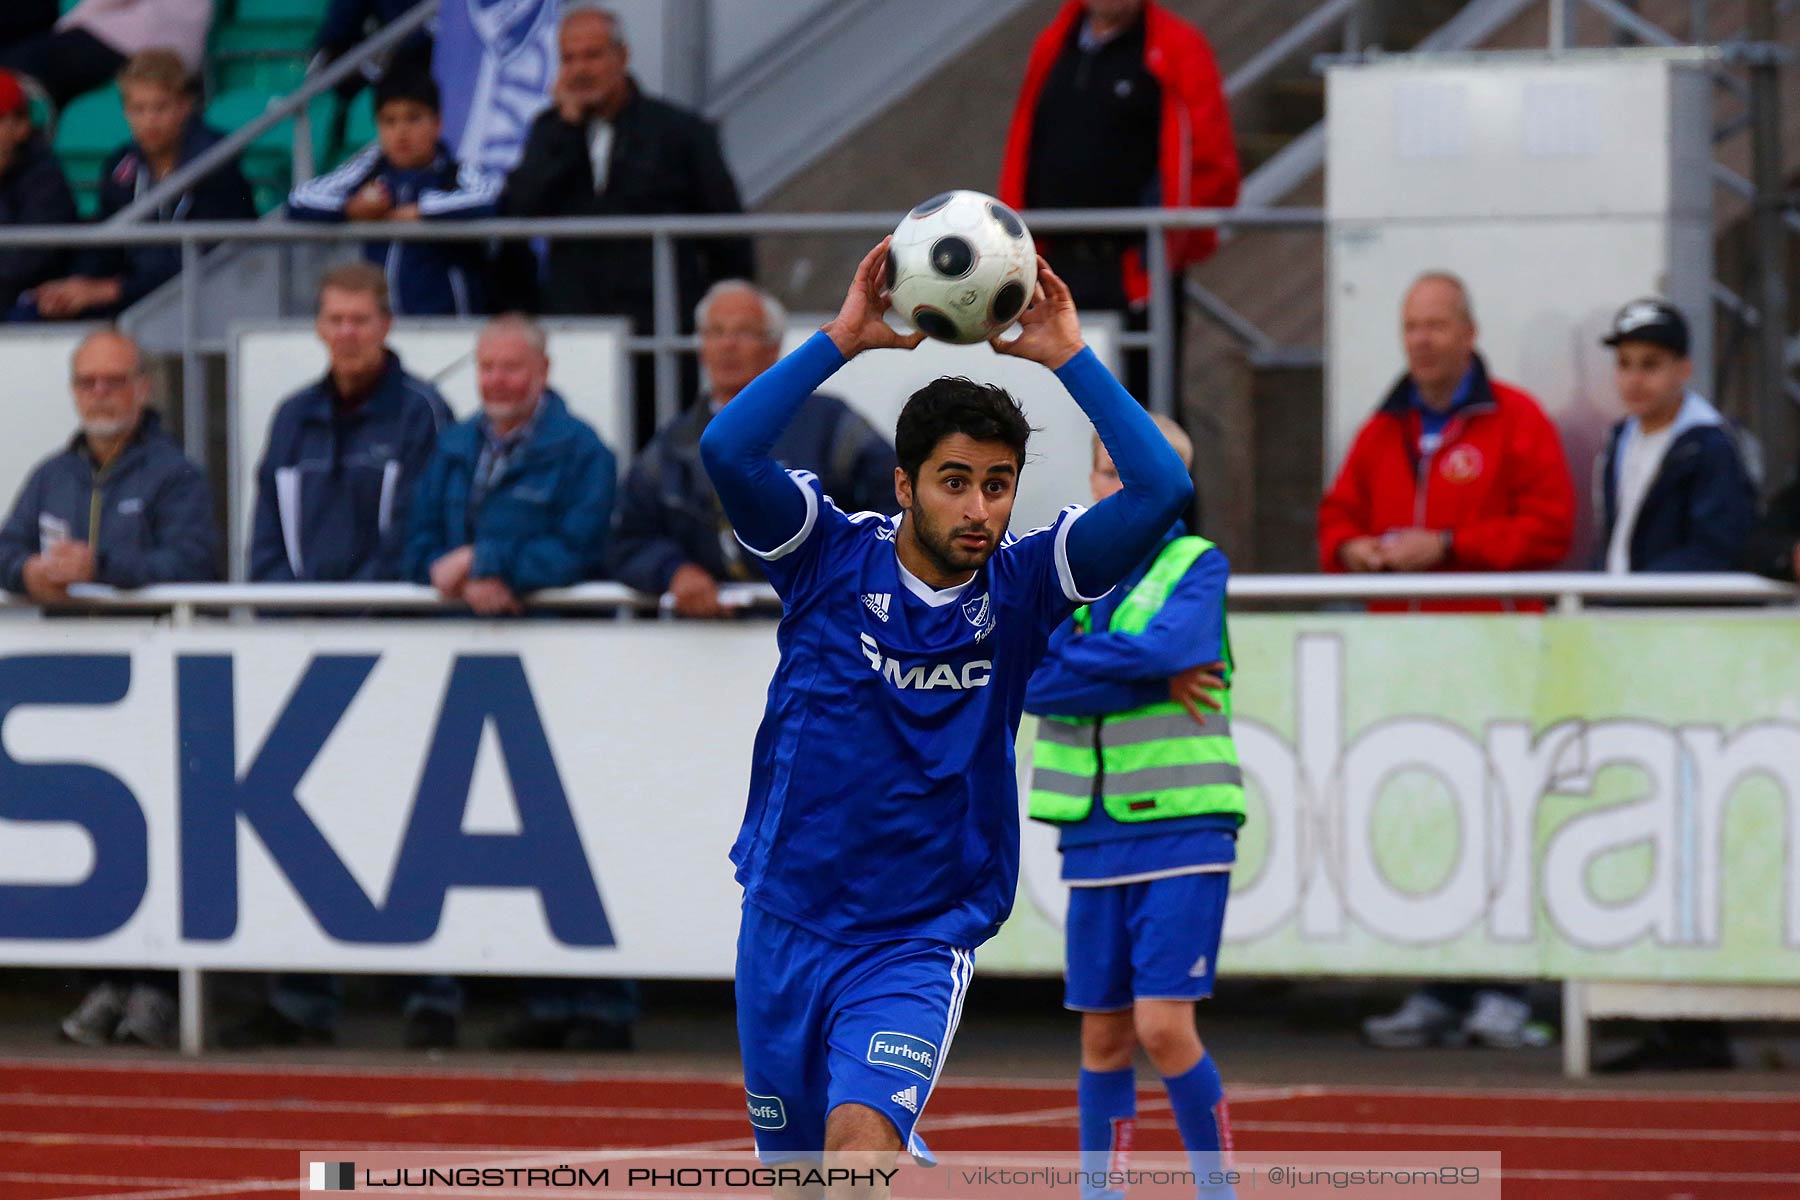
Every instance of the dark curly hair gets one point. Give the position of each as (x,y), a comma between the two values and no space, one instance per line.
(951,405)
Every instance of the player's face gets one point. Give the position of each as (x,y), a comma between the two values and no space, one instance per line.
(734,343)
(1104,478)
(959,506)
(409,133)
(1439,337)
(1651,379)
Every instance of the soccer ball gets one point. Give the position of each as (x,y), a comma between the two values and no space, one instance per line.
(962,267)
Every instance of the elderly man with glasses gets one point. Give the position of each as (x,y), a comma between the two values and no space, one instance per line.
(120,504)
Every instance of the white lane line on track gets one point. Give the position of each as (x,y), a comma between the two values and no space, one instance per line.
(1639,1134)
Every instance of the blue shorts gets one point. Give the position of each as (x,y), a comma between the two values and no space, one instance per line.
(1157,940)
(821,1024)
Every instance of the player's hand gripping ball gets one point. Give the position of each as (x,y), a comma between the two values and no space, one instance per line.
(962,267)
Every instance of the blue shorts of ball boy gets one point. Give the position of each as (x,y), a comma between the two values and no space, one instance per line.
(1152,940)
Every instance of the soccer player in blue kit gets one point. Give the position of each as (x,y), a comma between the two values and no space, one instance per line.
(880,846)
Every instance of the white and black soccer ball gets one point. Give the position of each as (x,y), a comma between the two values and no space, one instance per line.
(962,267)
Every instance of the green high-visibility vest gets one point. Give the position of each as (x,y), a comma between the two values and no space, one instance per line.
(1149,763)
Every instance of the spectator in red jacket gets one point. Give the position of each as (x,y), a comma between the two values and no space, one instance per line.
(1122,107)
(1455,471)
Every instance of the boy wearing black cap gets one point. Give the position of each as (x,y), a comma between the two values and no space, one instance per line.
(410,175)
(1671,485)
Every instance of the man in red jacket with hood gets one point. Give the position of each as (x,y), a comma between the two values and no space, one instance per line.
(1456,471)
(1122,107)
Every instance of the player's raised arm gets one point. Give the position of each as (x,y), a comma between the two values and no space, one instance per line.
(1118,532)
(764,507)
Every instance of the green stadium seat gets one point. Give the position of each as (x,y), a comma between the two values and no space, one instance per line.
(93,125)
(268,161)
(245,40)
(280,12)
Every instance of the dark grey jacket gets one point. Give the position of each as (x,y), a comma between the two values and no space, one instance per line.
(148,516)
(670,515)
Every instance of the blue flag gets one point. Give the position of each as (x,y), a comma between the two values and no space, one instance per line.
(495,62)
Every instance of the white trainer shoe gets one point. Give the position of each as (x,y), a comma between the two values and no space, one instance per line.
(93,1021)
(149,1018)
(1422,1021)
(1502,1022)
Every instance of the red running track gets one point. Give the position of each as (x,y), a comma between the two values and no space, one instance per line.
(142,1130)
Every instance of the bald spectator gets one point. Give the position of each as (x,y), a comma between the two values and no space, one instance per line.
(673,537)
(92,41)
(33,191)
(605,149)
(121,505)
(1456,471)
(518,497)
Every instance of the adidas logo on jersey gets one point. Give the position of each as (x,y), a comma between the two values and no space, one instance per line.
(877,603)
(907,1098)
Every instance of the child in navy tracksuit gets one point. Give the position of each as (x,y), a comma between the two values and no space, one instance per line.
(409,175)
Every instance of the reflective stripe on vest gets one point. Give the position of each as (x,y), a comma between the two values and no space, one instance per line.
(1150,763)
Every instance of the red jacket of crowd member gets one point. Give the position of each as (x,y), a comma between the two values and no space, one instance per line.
(1199,164)
(1498,482)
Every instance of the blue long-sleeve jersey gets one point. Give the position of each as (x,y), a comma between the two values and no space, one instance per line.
(882,798)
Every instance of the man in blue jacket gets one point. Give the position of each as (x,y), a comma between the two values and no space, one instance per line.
(165,136)
(1671,486)
(520,498)
(334,488)
(409,176)
(1134,763)
(672,535)
(517,498)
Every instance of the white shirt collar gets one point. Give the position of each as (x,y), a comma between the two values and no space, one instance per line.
(924,591)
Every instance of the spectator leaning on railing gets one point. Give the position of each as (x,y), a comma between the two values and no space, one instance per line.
(334,488)
(1671,487)
(33,191)
(165,135)
(409,176)
(1456,471)
(93,40)
(120,505)
(672,535)
(518,497)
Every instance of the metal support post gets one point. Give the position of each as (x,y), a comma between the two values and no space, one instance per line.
(1575,1029)
(1162,328)
(193,375)
(191,988)
(1775,415)
(1565,30)
(668,376)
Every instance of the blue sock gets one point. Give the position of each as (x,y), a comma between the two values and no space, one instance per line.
(1108,1102)
(1198,1099)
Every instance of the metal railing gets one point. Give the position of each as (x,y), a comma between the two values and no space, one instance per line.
(665,342)
(1569,591)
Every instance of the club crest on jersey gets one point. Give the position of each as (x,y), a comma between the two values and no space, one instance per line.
(926,677)
(905,1051)
(980,612)
(877,603)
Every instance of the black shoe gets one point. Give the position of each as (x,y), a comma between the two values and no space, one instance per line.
(528,1033)
(1676,1046)
(430,1029)
(270,1027)
(591,1033)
